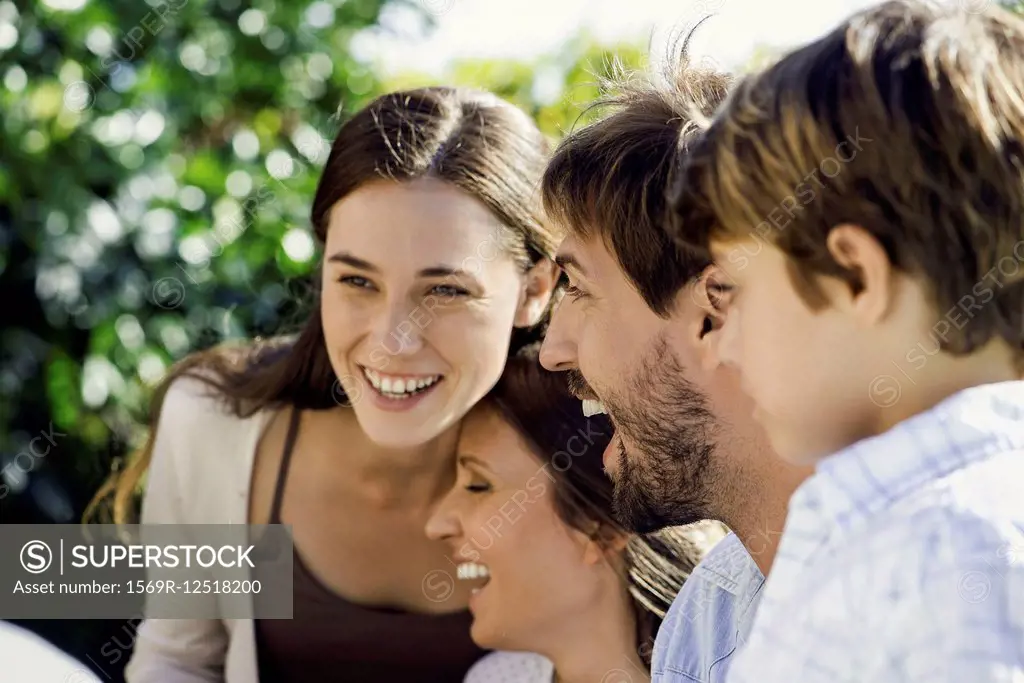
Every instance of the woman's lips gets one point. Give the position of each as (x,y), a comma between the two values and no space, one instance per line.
(399,393)
(477,573)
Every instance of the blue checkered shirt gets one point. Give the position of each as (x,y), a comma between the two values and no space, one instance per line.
(902,557)
(710,617)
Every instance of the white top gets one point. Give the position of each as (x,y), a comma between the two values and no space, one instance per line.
(511,667)
(200,474)
(28,658)
(902,558)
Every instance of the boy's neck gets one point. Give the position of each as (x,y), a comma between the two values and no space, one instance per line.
(758,520)
(944,376)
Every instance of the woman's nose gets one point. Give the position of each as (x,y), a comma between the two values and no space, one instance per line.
(396,331)
(443,524)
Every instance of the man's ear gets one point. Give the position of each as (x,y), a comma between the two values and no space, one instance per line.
(870,290)
(538,286)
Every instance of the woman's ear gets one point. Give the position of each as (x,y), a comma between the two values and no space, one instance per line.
(538,286)
(605,541)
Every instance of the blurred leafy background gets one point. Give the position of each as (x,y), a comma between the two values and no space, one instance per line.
(157,163)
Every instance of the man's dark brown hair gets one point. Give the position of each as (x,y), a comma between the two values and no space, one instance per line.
(906,120)
(609,179)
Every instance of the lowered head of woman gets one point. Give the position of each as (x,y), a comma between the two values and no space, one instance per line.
(437,262)
(530,522)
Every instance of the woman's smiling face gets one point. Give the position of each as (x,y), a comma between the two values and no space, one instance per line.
(534,571)
(419,299)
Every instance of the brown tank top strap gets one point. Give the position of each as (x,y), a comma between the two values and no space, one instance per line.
(282,472)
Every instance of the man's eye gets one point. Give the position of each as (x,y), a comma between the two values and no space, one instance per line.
(449,291)
(718,294)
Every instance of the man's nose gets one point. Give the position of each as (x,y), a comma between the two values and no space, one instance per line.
(558,350)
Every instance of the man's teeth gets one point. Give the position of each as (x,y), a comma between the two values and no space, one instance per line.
(591,407)
(399,386)
(472,570)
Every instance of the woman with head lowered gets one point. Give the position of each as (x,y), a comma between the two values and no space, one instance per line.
(559,587)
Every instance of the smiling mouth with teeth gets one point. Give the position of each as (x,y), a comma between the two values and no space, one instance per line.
(399,387)
(473,571)
(591,407)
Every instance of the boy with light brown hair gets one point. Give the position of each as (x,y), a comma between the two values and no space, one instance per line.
(863,200)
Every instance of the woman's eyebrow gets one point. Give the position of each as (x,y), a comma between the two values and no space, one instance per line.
(348,259)
(354,261)
(473,460)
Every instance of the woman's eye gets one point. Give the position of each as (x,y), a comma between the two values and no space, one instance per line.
(355,281)
(478,487)
(450,291)
(574,292)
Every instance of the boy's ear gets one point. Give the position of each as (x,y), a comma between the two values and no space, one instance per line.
(871,290)
(538,286)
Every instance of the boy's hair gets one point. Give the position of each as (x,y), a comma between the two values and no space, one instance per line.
(610,178)
(907,120)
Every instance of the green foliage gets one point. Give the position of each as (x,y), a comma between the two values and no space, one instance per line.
(555,89)
(158,161)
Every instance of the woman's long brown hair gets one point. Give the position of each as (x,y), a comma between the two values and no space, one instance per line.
(541,407)
(469,138)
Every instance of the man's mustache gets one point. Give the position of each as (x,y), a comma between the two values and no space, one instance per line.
(578,386)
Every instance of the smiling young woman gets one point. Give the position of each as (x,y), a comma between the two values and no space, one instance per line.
(437,263)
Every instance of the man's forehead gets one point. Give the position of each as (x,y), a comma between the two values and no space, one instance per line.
(588,257)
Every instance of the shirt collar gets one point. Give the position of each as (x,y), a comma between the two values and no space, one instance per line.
(730,566)
(870,475)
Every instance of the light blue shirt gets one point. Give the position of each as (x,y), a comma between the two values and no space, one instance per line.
(902,558)
(709,618)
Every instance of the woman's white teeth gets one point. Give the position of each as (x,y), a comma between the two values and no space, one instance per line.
(472,570)
(591,407)
(398,386)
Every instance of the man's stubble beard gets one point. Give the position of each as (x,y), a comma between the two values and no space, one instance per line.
(670,478)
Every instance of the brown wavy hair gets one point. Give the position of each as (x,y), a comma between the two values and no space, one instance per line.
(608,180)
(541,407)
(472,139)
